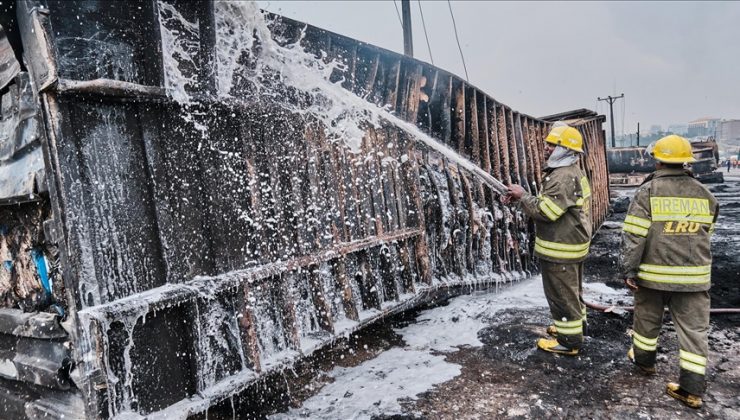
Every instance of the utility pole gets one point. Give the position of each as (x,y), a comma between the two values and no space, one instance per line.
(638,134)
(611,100)
(408,42)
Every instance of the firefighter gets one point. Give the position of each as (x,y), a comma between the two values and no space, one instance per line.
(563,235)
(666,261)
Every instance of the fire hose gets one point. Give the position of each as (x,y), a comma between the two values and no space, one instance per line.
(604,308)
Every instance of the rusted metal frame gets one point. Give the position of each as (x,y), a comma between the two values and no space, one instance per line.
(454,189)
(514,166)
(351,69)
(503,143)
(371,288)
(472,246)
(442,96)
(255,195)
(323,194)
(505,159)
(530,147)
(362,182)
(521,152)
(471,125)
(389,279)
(511,139)
(263,211)
(365,87)
(377,92)
(110,88)
(485,201)
(343,50)
(590,170)
(427,86)
(280,194)
(248,329)
(491,138)
(536,141)
(392,82)
(413,96)
(410,176)
(399,189)
(600,165)
(313,204)
(343,283)
(281,289)
(319,299)
(334,190)
(352,215)
(407,273)
(383,164)
(373,187)
(458,118)
(472,187)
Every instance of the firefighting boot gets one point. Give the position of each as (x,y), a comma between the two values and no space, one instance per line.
(552,330)
(648,370)
(553,346)
(690,400)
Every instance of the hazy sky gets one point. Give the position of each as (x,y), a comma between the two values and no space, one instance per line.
(674,61)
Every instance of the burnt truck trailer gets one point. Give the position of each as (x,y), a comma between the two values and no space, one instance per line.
(629,166)
(195,197)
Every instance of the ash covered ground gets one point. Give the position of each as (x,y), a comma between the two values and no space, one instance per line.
(475,355)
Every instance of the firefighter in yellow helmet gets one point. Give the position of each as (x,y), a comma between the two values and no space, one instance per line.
(666,261)
(561,212)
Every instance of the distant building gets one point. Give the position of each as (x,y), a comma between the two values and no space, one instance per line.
(655,129)
(703,127)
(680,129)
(729,133)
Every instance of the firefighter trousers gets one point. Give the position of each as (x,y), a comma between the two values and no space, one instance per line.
(562,284)
(690,314)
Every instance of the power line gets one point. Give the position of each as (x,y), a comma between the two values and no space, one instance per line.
(424,25)
(398,13)
(457,38)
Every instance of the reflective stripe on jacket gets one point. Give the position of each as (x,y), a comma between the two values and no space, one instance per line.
(666,239)
(562,215)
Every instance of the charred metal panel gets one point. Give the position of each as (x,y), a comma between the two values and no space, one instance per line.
(22,174)
(9,66)
(105,175)
(91,40)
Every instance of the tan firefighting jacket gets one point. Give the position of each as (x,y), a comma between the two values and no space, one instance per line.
(667,232)
(562,215)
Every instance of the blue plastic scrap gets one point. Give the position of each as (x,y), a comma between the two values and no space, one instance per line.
(40,260)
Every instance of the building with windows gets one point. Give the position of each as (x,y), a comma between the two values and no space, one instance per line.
(729,134)
(703,127)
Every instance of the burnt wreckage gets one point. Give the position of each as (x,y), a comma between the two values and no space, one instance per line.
(173,231)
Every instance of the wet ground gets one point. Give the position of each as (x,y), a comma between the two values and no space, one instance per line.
(501,374)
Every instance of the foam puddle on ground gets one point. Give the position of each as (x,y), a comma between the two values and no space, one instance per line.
(376,386)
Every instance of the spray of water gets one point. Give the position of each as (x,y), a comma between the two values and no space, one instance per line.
(251,65)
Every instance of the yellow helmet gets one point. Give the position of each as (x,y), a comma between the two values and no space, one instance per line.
(672,149)
(566,136)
